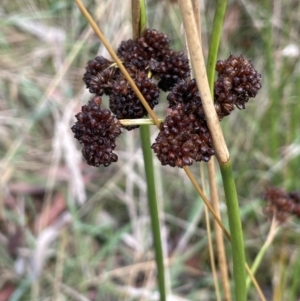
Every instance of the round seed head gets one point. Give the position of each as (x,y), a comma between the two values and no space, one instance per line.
(183,139)
(99,75)
(97,130)
(237,78)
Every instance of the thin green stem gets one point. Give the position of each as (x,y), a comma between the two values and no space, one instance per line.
(211,63)
(237,241)
(143,17)
(215,41)
(259,257)
(153,208)
(150,179)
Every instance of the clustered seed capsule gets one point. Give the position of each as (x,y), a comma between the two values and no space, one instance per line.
(186,93)
(146,57)
(174,67)
(184,136)
(150,53)
(97,130)
(133,54)
(281,203)
(124,102)
(155,44)
(100,75)
(183,139)
(237,82)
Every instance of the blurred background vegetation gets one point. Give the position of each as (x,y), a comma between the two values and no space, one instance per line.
(69,231)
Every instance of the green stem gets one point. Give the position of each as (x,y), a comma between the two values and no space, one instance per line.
(153,208)
(143,17)
(151,191)
(237,241)
(259,257)
(215,41)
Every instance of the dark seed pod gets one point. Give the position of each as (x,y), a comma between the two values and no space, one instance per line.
(237,82)
(99,75)
(295,196)
(171,69)
(131,52)
(97,130)
(279,204)
(183,139)
(126,105)
(155,43)
(187,93)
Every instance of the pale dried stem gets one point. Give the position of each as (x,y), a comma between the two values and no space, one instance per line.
(196,10)
(206,201)
(218,232)
(195,4)
(199,68)
(253,279)
(117,60)
(141,121)
(210,243)
(198,64)
(135,14)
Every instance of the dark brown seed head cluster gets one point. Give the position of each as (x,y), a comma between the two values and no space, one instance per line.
(187,93)
(174,67)
(237,82)
(152,52)
(124,102)
(281,204)
(97,130)
(155,44)
(149,55)
(132,53)
(184,136)
(183,139)
(100,75)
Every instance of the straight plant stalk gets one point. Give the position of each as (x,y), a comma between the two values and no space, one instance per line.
(221,255)
(237,242)
(153,208)
(222,153)
(150,180)
(211,63)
